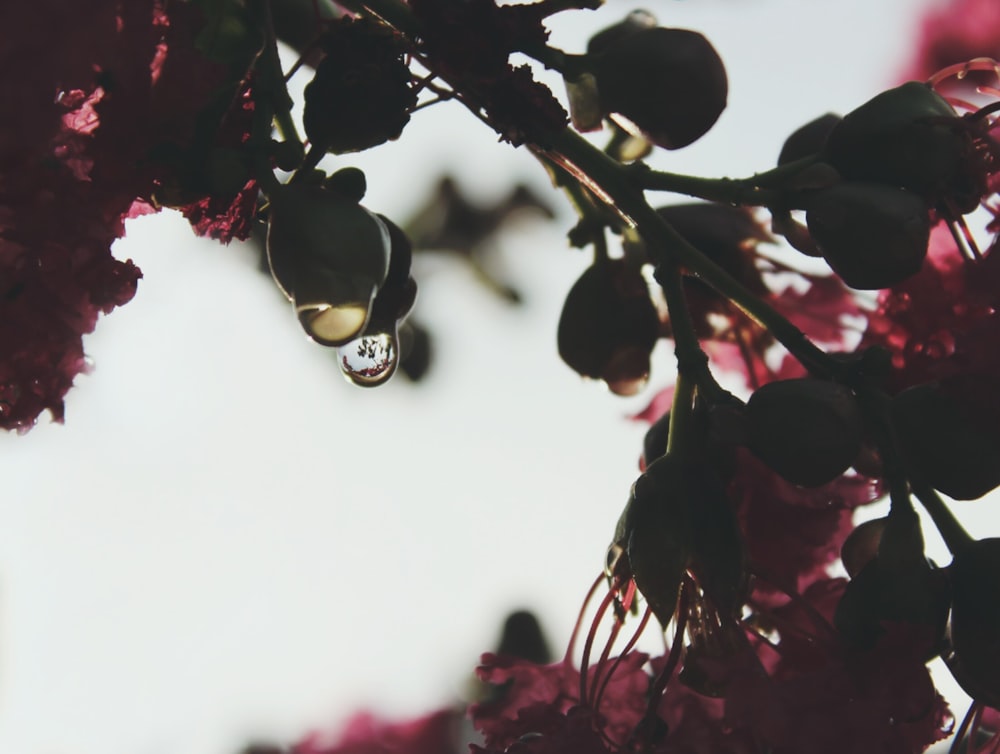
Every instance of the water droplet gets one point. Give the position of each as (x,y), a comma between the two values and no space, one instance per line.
(370,360)
(333,325)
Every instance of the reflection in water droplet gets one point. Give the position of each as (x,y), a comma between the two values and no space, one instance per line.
(370,360)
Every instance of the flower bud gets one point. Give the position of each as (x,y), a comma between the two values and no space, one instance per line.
(945,437)
(873,236)
(973,652)
(678,518)
(329,256)
(609,326)
(669,83)
(897,583)
(809,431)
(907,137)
(808,139)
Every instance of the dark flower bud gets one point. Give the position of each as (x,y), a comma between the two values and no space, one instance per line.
(908,137)
(670,83)
(948,437)
(609,326)
(873,236)
(678,518)
(973,651)
(861,545)
(361,95)
(329,256)
(808,431)
(897,583)
(634,22)
(808,139)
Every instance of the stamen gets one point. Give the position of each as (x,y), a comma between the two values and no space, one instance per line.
(605,654)
(961,104)
(568,658)
(660,684)
(621,655)
(589,643)
(961,70)
(984,111)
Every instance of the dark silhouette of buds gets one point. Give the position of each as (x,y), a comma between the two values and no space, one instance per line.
(908,137)
(949,437)
(670,83)
(808,139)
(973,651)
(329,256)
(609,326)
(678,519)
(808,431)
(873,236)
(361,95)
(896,583)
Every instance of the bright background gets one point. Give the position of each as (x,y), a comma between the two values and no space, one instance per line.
(227,541)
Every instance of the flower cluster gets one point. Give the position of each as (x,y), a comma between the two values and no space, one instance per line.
(132,107)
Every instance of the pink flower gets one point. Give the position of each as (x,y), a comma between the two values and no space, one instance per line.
(83,150)
(435,733)
(530,695)
(953,33)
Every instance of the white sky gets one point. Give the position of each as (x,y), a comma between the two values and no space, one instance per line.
(227,540)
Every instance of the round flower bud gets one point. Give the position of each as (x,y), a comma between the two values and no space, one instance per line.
(973,651)
(609,326)
(809,431)
(670,83)
(907,137)
(948,437)
(679,519)
(329,256)
(873,236)
(808,139)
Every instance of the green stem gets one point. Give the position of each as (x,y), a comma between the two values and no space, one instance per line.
(691,359)
(724,190)
(681,410)
(759,190)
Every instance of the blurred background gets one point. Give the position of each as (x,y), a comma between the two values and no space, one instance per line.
(226,541)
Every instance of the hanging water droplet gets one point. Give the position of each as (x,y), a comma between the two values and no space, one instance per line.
(370,360)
